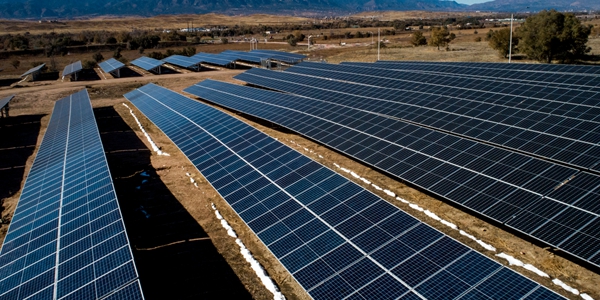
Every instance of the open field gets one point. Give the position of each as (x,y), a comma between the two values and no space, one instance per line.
(182,251)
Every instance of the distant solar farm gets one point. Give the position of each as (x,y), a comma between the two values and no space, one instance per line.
(512,145)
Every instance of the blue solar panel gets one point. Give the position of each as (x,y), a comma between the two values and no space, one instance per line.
(502,185)
(4,101)
(183,61)
(147,63)
(67,238)
(72,68)
(213,59)
(282,54)
(254,57)
(111,65)
(336,239)
(33,70)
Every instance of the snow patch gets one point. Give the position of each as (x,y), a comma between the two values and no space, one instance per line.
(376,187)
(365,181)
(451,225)
(390,193)
(152,144)
(480,242)
(586,296)
(565,286)
(432,215)
(320,156)
(345,170)
(354,175)
(402,200)
(414,206)
(256,266)
(336,165)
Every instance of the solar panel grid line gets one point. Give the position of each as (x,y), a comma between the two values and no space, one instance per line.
(252,110)
(567,152)
(327,89)
(186,110)
(455,71)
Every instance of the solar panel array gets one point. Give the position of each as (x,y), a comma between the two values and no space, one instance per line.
(147,63)
(111,65)
(67,239)
(542,124)
(72,68)
(253,57)
(33,70)
(282,56)
(584,81)
(545,200)
(183,61)
(338,240)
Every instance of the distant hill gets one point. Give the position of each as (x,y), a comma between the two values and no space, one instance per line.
(22,9)
(536,5)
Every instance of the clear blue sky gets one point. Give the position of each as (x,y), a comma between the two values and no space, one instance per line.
(471,1)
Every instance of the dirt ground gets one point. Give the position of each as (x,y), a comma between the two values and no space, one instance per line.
(182,247)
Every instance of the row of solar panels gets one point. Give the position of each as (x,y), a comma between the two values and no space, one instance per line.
(225,59)
(66,239)
(338,240)
(485,154)
(68,70)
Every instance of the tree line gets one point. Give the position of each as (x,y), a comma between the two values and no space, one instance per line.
(547,36)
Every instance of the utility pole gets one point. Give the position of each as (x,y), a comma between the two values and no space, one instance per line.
(378,42)
(510,42)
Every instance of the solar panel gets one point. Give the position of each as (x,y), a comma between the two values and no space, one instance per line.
(4,101)
(500,184)
(254,57)
(570,135)
(72,68)
(147,63)
(67,238)
(337,239)
(33,70)
(213,59)
(111,65)
(547,68)
(183,61)
(540,79)
(289,55)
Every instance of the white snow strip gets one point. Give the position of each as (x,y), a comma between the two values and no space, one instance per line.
(320,156)
(345,170)
(432,215)
(402,200)
(376,187)
(414,206)
(586,296)
(152,144)
(256,266)
(511,260)
(451,225)
(480,242)
(192,180)
(195,184)
(565,286)
(305,149)
(354,175)
(365,181)
(336,165)
(536,271)
(390,193)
